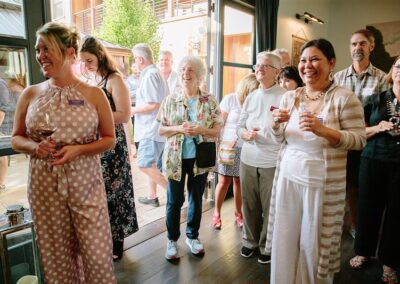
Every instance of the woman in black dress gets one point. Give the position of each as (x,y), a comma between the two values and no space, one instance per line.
(379,179)
(115,163)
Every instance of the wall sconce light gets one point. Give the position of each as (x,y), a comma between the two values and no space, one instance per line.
(309,18)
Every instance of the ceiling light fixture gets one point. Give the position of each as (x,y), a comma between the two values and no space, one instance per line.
(309,18)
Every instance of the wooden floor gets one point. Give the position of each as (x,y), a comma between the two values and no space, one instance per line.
(144,262)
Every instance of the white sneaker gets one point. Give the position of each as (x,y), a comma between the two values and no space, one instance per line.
(172,250)
(195,246)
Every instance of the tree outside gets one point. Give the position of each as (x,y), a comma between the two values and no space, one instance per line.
(128,22)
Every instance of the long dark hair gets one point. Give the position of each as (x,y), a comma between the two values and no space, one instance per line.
(106,64)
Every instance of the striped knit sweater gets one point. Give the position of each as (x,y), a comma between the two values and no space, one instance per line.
(346,115)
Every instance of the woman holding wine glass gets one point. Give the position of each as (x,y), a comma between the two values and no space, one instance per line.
(308,195)
(115,163)
(379,182)
(258,156)
(65,184)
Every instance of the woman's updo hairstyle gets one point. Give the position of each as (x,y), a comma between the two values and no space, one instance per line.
(59,37)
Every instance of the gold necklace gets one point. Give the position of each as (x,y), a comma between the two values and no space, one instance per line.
(320,95)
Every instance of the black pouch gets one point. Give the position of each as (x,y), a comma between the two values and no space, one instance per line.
(205,154)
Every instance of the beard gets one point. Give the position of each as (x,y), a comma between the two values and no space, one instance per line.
(358,55)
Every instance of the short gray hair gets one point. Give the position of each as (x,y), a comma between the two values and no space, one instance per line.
(280,51)
(198,64)
(275,59)
(143,50)
(165,52)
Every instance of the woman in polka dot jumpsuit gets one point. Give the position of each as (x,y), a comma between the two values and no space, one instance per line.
(65,184)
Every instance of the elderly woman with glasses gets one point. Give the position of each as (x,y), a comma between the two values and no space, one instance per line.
(316,125)
(379,181)
(258,156)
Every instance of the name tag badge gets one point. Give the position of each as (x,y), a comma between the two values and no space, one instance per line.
(76,102)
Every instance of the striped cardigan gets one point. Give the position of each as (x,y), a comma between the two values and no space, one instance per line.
(346,115)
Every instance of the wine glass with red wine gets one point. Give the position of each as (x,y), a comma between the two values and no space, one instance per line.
(47,127)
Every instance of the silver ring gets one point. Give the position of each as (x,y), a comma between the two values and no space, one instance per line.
(276,119)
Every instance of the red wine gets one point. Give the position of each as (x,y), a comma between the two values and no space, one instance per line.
(46,132)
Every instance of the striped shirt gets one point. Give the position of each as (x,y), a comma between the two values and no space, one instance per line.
(345,114)
(369,82)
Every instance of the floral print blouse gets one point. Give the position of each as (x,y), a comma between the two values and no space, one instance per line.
(173,112)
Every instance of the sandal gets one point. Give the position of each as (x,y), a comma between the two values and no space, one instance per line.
(239,219)
(216,222)
(389,275)
(358,262)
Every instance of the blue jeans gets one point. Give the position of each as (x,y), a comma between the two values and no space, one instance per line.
(176,197)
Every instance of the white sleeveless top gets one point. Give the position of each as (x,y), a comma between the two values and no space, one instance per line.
(303,161)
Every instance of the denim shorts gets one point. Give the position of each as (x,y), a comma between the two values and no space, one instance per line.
(149,153)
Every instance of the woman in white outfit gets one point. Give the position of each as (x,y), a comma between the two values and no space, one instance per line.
(231,106)
(316,125)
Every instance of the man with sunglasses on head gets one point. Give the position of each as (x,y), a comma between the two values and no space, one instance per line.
(364,80)
(259,154)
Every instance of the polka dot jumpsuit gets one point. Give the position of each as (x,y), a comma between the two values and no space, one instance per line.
(68,202)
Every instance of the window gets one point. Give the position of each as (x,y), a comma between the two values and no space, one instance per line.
(12,19)
(238,46)
(57,9)
(17,70)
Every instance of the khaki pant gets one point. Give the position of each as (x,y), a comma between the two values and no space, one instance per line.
(256,185)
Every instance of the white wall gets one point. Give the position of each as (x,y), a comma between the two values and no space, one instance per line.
(341,17)
(178,34)
(288,25)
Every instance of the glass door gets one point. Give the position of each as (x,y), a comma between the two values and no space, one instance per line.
(231,51)
(238,39)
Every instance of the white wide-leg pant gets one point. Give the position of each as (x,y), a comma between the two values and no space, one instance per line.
(295,242)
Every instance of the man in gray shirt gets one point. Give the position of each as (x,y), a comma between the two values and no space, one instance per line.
(152,90)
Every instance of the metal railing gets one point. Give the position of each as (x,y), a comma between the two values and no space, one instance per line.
(82,20)
(162,9)
(98,17)
(169,9)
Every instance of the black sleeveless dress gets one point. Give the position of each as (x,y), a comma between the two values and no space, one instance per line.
(117,176)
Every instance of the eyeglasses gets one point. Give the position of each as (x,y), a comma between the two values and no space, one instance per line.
(263,66)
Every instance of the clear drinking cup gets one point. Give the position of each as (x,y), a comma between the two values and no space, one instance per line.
(307,135)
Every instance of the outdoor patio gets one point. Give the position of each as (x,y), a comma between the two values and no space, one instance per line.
(16,190)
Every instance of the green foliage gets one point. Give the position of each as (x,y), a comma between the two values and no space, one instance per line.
(128,22)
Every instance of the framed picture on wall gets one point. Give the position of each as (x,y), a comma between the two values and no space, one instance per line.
(387,44)
(297,43)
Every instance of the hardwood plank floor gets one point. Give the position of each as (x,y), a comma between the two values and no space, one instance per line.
(222,263)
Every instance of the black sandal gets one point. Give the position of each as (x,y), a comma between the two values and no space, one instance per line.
(118,250)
